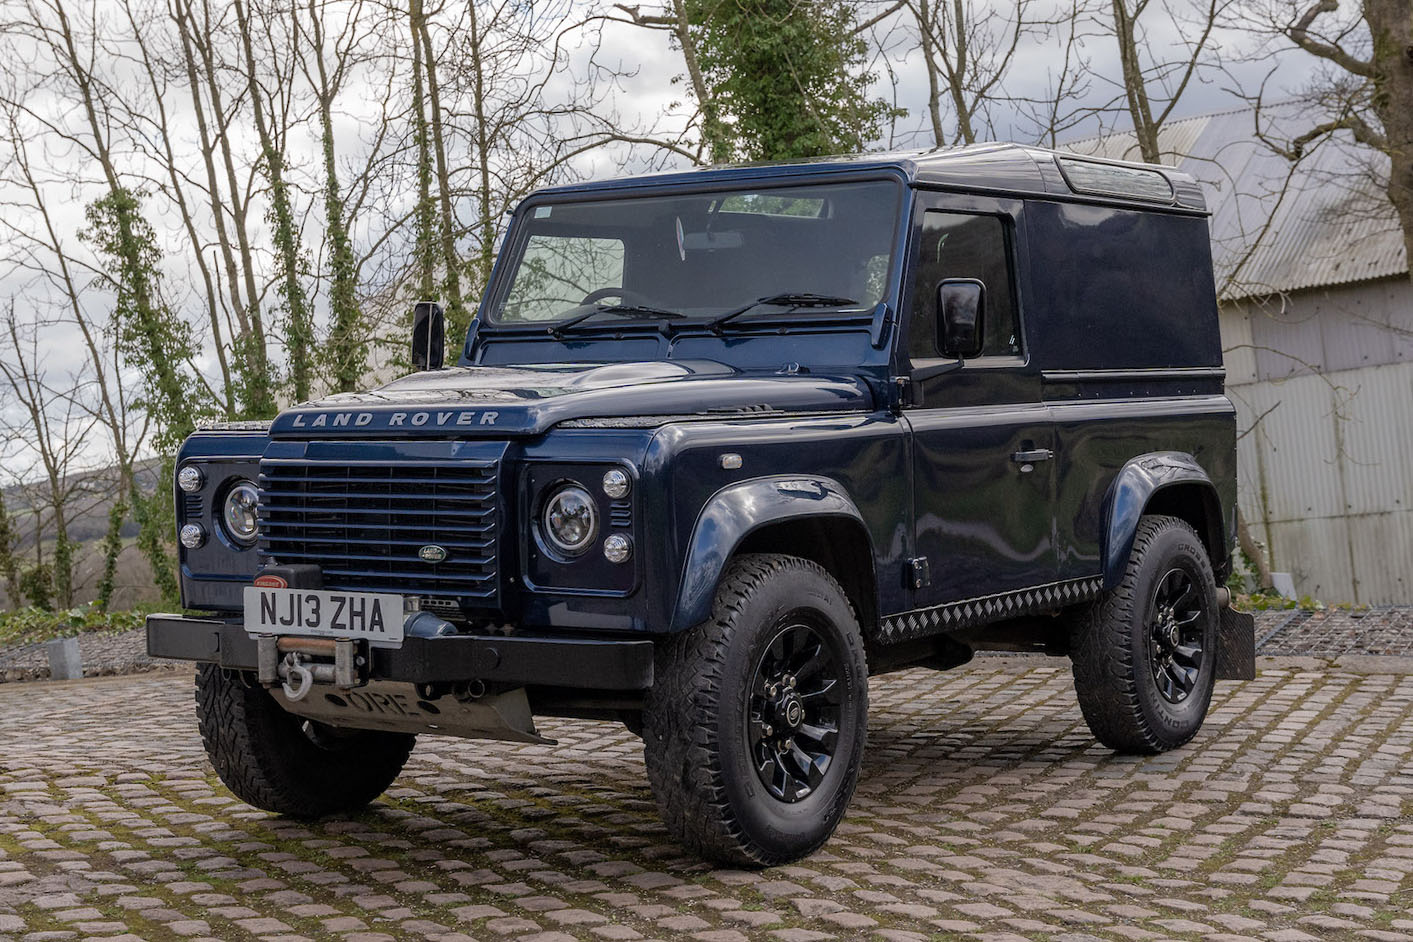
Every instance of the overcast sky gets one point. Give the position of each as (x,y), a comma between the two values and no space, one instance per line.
(651,97)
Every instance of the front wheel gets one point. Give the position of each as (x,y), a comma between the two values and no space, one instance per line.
(284,763)
(754,728)
(1145,654)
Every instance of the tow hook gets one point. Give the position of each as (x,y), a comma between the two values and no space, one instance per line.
(299,663)
(292,670)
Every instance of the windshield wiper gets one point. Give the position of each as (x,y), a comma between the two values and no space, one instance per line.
(795,299)
(620,310)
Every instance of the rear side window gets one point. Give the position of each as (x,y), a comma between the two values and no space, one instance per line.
(962,245)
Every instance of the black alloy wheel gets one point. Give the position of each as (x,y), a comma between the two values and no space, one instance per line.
(1175,632)
(755,725)
(1145,653)
(793,717)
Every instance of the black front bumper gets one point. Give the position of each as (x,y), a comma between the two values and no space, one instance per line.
(586,664)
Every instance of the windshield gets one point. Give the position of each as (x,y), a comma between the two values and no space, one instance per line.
(703,255)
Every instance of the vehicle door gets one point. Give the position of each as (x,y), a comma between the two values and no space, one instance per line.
(983,478)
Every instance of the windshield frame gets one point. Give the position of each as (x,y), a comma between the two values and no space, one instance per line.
(503,274)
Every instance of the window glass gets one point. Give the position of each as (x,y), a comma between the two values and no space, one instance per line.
(557,272)
(957,245)
(701,254)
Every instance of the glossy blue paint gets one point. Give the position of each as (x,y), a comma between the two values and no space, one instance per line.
(1118,377)
(732,513)
(1131,494)
(213,576)
(499,402)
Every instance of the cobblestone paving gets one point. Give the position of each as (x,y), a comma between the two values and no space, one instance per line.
(986,811)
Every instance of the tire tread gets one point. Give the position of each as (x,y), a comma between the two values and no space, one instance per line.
(681,748)
(1102,653)
(260,753)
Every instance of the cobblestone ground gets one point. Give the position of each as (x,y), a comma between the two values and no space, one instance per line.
(986,811)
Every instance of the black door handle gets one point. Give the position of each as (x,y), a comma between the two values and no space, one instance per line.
(1030,457)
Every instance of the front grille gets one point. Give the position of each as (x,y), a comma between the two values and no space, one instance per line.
(363,523)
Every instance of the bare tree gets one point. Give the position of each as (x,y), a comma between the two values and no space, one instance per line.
(1156,71)
(1365,87)
(326,66)
(968,49)
(51,430)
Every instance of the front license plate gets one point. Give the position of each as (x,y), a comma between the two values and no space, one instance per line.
(373,617)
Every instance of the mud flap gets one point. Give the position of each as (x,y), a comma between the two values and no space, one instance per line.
(1236,646)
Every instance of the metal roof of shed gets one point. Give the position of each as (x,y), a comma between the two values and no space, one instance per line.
(1278,227)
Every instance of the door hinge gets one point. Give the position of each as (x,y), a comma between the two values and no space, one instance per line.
(919,574)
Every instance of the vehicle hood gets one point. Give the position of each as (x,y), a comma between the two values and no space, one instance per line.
(501,401)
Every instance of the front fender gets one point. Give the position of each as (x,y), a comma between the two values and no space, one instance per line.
(731,515)
(1131,492)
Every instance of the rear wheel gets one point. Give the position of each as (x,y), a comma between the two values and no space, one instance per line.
(755,725)
(284,763)
(1145,654)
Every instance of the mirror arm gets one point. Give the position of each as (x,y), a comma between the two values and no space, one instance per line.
(941,369)
(883,319)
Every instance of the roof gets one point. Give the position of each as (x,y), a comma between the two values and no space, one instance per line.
(996,168)
(1277,227)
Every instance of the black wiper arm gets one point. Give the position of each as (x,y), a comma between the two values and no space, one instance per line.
(621,310)
(796,300)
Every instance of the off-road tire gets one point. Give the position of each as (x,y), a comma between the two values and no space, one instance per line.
(696,742)
(264,755)
(1113,674)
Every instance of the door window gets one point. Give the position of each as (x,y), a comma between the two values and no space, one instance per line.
(962,245)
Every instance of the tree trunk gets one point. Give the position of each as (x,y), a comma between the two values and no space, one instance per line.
(112,546)
(9,566)
(347,346)
(926,23)
(299,335)
(1391,27)
(425,214)
(1253,552)
(1135,89)
(456,317)
(258,384)
(719,144)
(486,256)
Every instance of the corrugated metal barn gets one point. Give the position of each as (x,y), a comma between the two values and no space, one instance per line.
(1317,325)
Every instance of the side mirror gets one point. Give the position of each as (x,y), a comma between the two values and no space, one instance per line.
(961,304)
(428,336)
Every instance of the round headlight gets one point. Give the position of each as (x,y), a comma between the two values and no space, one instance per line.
(617,548)
(192,535)
(570,520)
(239,513)
(616,483)
(190,478)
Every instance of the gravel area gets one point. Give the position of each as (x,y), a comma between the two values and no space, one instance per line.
(1386,631)
(103,653)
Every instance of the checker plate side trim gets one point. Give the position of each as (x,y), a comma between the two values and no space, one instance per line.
(979,611)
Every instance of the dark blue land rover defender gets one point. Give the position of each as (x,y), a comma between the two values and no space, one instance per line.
(720,445)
